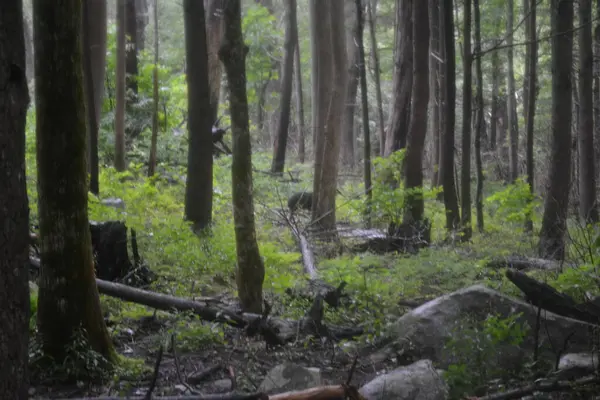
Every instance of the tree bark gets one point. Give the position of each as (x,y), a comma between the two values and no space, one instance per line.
(214,32)
(352,37)
(465,184)
(413,162)
(479,122)
(131,31)
(299,100)
(447,156)
(250,267)
(531,99)
(286,91)
(399,119)
(587,169)
(14,213)
(154,139)
(120,74)
(512,104)
(554,221)
(371,12)
(494,101)
(68,298)
(199,184)
(434,24)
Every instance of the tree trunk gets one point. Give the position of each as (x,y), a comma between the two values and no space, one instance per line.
(286,91)
(28,47)
(465,173)
(299,100)
(447,156)
(313,13)
(434,24)
(531,56)
(332,78)
(131,31)
(597,86)
(441,68)
(398,123)
(554,221)
(14,213)
(154,139)
(352,37)
(68,298)
(371,11)
(250,267)
(120,74)
(587,170)
(479,122)
(494,101)
(199,184)
(512,104)
(214,32)
(141,11)
(94,68)
(413,172)
(365,111)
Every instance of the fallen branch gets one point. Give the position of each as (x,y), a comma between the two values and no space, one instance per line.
(225,396)
(551,386)
(521,263)
(321,393)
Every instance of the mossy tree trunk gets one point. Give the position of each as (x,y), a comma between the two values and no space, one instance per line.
(14,213)
(250,268)
(199,184)
(68,298)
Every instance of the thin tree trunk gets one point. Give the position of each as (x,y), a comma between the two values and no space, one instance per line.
(299,100)
(154,139)
(68,301)
(365,111)
(587,169)
(434,23)
(413,172)
(313,13)
(131,30)
(374,54)
(531,99)
(286,91)
(494,102)
(479,124)
(214,32)
(465,183)
(597,88)
(442,96)
(120,164)
(353,79)
(14,213)
(250,268)
(447,157)
(199,184)
(512,104)
(554,221)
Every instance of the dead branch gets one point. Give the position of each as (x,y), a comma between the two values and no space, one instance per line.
(321,393)
(155,375)
(522,263)
(548,386)
(225,396)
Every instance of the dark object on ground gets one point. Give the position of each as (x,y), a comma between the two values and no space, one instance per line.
(521,263)
(300,200)
(404,238)
(217,138)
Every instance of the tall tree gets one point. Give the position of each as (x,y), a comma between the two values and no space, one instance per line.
(360,19)
(554,221)
(352,37)
(250,268)
(313,14)
(286,90)
(68,298)
(465,173)
(531,97)
(120,73)
(449,94)
(434,83)
(399,116)
(214,33)
(371,11)
(94,67)
(511,96)
(413,163)
(199,183)
(14,213)
(131,58)
(494,99)
(587,168)
(154,138)
(479,121)
(299,100)
(331,80)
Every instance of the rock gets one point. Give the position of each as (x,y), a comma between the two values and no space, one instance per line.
(287,377)
(576,365)
(418,381)
(423,332)
(113,202)
(219,386)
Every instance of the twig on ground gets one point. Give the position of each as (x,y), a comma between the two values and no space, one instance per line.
(155,375)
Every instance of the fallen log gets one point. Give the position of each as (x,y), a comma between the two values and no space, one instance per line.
(548,386)
(521,263)
(225,396)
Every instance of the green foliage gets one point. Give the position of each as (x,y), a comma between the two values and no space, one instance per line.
(388,191)
(474,347)
(514,203)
